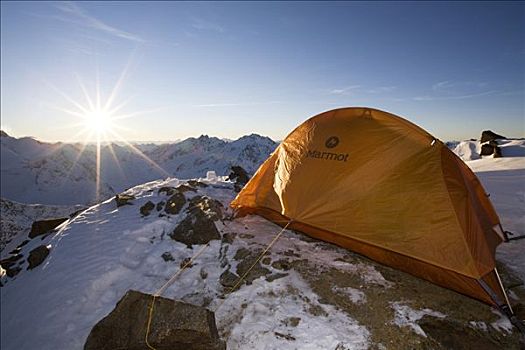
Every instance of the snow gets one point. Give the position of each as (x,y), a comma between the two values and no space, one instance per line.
(267,309)
(405,316)
(502,324)
(64,173)
(355,295)
(504,180)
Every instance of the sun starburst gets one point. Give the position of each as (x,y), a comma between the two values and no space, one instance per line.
(99,122)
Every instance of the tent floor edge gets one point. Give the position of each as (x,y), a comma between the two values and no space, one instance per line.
(449,279)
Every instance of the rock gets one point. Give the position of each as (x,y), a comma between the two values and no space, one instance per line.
(185,263)
(124,199)
(275,276)
(281,265)
(228,237)
(246,261)
(37,256)
(174,326)
(228,279)
(196,228)
(41,227)
(175,203)
(147,208)
(167,256)
(160,205)
(211,207)
(491,148)
(168,189)
(239,177)
(9,263)
(195,183)
(185,188)
(486,150)
(488,135)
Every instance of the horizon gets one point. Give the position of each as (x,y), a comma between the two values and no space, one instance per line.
(76,71)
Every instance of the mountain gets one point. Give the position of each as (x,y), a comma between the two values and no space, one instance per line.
(303,294)
(65,173)
(17,218)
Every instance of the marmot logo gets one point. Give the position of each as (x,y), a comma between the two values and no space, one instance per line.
(331,142)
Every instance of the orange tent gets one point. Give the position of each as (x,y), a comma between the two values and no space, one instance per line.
(379,185)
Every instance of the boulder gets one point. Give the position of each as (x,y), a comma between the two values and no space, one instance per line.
(196,228)
(168,189)
(175,203)
(195,183)
(185,188)
(211,207)
(174,326)
(147,208)
(41,227)
(37,256)
(123,199)
(491,148)
(239,177)
(489,135)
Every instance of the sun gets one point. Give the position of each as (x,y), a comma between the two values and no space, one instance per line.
(98,121)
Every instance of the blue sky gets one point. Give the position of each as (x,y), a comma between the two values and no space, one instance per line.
(234,68)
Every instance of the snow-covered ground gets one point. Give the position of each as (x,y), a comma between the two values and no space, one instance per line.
(327,298)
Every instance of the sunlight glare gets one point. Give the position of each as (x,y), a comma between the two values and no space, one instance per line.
(98,121)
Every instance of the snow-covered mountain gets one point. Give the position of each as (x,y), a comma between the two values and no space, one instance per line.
(471,149)
(65,174)
(304,294)
(17,218)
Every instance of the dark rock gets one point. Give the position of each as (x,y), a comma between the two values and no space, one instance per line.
(488,135)
(12,271)
(160,205)
(168,189)
(124,199)
(211,207)
(486,149)
(228,279)
(275,276)
(147,208)
(185,188)
(196,228)
(195,183)
(281,265)
(239,177)
(284,336)
(41,227)
(228,237)
(246,262)
(37,256)
(490,148)
(292,321)
(203,273)
(75,213)
(23,243)
(174,326)
(10,261)
(185,263)
(175,203)
(167,256)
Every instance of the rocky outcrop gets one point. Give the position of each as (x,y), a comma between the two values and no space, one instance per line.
(146,209)
(41,227)
(196,228)
(239,177)
(123,199)
(174,326)
(175,203)
(491,148)
(37,256)
(489,135)
(212,208)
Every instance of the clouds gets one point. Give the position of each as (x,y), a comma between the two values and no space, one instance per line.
(73,13)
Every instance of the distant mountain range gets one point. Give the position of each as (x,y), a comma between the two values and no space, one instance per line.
(65,173)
